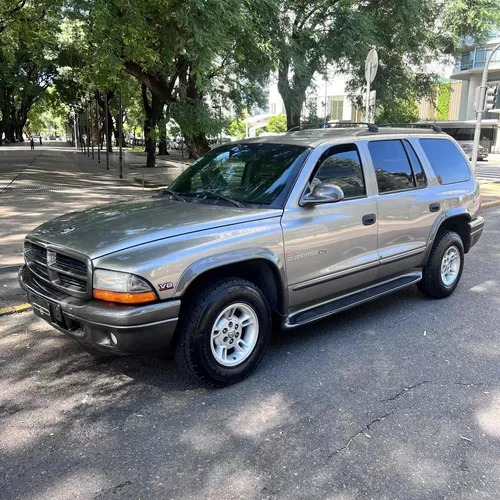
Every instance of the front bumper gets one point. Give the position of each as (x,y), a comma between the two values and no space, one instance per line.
(476,230)
(136,328)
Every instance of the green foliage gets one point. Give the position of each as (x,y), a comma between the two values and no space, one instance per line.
(237,128)
(443,101)
(277,124)
(400,111)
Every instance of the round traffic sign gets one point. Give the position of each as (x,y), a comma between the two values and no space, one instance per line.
(371,65)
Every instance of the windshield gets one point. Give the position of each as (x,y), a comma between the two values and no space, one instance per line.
(247,173)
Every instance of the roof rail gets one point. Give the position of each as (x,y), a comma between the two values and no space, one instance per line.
(371,126)
(432,126)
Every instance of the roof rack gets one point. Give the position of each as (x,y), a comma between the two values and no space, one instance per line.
(371,126)
(432,126)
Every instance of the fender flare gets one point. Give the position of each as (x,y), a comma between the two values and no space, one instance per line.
(212,262)
(444,216)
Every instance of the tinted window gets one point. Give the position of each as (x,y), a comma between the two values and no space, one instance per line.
(249,173)
(446,160)
(416,165)
(392,167)
(341,166)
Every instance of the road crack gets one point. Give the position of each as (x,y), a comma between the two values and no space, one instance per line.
(354,436)
(404,390)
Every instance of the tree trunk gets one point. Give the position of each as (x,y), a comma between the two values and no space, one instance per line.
(153,112)
(197,145)
(294,95)
(162,132)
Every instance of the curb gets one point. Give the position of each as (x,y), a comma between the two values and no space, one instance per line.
(489,204)
(5,311)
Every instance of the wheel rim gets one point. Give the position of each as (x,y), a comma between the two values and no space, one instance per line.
(450,266)
(234,334)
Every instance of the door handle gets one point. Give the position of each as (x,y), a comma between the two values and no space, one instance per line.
(434,207)
(369,219)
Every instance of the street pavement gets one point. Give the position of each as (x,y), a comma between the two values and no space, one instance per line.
(396,399)
(489,170)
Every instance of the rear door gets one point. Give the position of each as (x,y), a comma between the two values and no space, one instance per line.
(331,248)
(406,209)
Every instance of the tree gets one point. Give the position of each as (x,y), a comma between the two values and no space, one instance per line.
(277,124)
(408,34)
(28,46)
(399,112)
(237,128)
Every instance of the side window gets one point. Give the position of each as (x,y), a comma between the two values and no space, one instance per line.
(446,160)
(341,165)
(415,164)
(392,167)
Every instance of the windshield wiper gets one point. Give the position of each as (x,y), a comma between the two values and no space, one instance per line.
(174,195)
(216,196)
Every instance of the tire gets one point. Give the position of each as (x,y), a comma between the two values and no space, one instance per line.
(435,282)
(210,322)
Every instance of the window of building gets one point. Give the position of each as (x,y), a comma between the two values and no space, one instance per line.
(392,167)
(273,108)
(336,107)
(415,164)
(341,165)
(446,160)
(356,114)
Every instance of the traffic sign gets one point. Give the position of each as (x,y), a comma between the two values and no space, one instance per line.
(371,65)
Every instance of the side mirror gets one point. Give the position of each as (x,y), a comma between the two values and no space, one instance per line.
(322,193)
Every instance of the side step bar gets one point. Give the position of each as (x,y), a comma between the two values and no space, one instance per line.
(351,300)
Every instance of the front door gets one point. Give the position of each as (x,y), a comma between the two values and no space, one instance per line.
(331,248)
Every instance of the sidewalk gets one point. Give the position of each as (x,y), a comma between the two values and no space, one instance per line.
(490,194)
(56,179)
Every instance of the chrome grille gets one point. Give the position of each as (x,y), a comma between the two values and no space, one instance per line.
(61,270)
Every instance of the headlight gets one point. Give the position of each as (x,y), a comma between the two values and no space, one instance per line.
(114,286)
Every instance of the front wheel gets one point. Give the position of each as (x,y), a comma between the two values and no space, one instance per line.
(444,268)
(224,332)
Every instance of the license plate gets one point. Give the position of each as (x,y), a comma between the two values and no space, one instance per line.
(41,307)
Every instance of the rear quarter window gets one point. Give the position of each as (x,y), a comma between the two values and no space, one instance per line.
(446,160)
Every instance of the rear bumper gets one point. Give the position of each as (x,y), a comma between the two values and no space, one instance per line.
(476,230)
(136,328)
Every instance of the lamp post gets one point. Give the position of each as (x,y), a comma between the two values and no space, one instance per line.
(480,108)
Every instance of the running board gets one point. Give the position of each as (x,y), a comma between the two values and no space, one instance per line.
(351,300)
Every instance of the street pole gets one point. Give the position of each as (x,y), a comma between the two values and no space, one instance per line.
(106,127)
(220,124)
(91,128)
(480,109)
(88,131)
(326,97)
(120,133)
(98,134)
(368,84)
(77,145)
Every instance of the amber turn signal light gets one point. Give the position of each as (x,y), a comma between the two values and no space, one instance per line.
(125,297)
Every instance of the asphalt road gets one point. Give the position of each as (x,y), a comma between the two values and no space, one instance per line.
(397,399)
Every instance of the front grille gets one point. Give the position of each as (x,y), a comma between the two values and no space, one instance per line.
(61,270)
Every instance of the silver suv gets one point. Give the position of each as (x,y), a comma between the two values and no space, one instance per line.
(261,233)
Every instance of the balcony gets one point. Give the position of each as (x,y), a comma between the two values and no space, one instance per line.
(476,59)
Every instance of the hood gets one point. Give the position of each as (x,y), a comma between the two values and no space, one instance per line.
(105,229)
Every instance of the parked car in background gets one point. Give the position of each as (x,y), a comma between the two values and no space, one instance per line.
(261,234)
(482,152)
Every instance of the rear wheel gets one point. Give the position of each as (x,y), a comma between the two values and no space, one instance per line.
(224,332)
(443,270)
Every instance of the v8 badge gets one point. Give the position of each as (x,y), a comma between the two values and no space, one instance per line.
(165,286)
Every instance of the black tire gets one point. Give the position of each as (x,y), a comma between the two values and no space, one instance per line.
(432,283)
(193,352)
